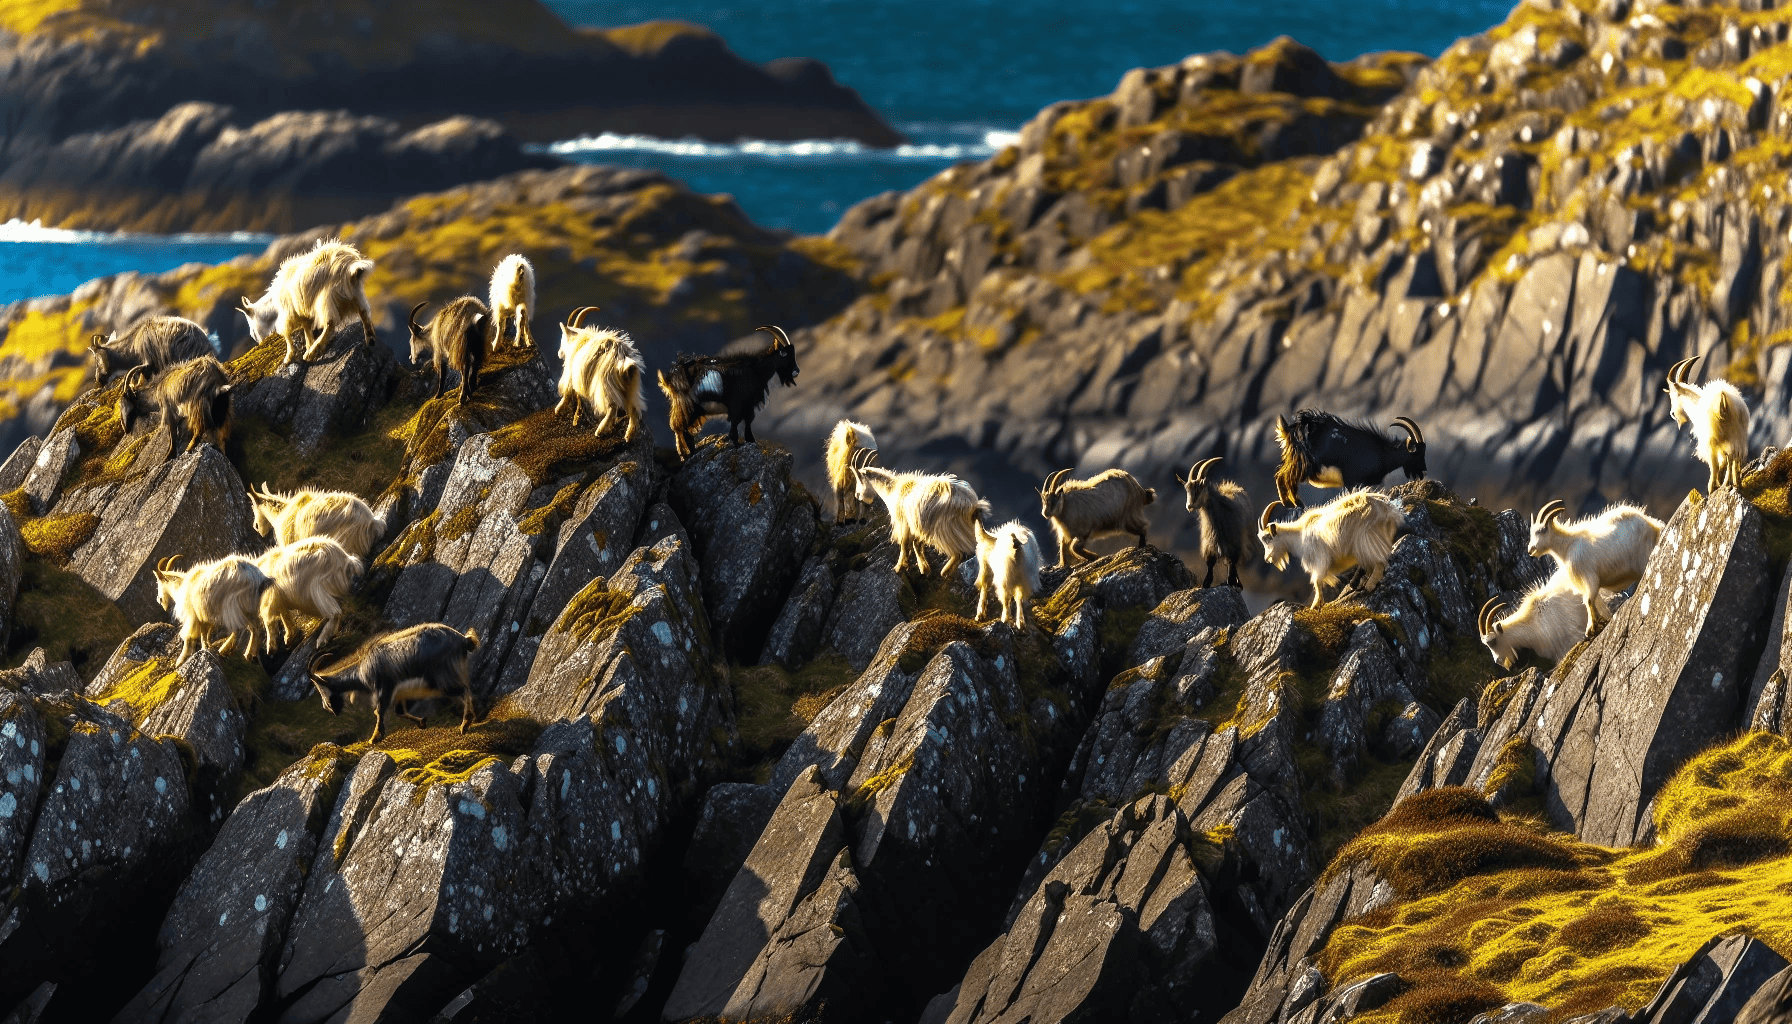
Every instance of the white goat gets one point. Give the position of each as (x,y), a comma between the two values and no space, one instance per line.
(934,510)
(602,367)
(222,594)
(1108,502)
(339,515)
(1551,618)
(310,577)
(1356,528)
(844,443)
(513,300)
(1608,551)
(1008,562)
(313,291)
(1719,420)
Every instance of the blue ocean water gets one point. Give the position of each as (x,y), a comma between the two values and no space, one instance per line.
(957,76)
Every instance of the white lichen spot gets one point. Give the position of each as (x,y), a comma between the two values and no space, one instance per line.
(500,838)
(8,804)
(261,903)
(616,831)
(621,744)
(75,783)
(280,840)
(161,785)
(225,916)
(1717,680)
(663,633)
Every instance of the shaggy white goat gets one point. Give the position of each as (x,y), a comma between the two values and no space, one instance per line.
(1108,502)
(1356,528)
(309,577)
(513,301)
(1719,420)
(1551,618)
(221,594)
(339,515)
(311,293)
(847,440)
(1008,562)
(602,367)
(1604,552)
(934,510)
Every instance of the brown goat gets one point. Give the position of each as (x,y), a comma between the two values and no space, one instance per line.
(1109,502)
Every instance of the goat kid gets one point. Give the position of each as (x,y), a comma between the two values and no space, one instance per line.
(338,515)
(1357,528)
(602,367)
(1220,509)
(1551,618)
(1608,551)
(844,444)
(1327,451)
(934,510)
(224,594)
(732,385)
(456,337)
(1112,501)
(513,301)
(1008,563)
(311,293)
(310,577)
(1719,419)
(194,395)
(153,344)
(418,663)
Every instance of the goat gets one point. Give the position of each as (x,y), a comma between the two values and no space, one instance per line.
(313,291)
(1108,502)
(733,385)
(417,663)
(934,510)
(1608,551)
(310,576)
(603,367)
(194,395)
(338,515)
(1008,563)
(1719,419)
(456,337)
(844,443)
(1356,528)
(513,300)
(153,343)
(221,594)
(1220,510)
(1551,618)
(1326,451)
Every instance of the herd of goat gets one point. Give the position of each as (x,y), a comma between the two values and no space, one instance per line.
(323,538)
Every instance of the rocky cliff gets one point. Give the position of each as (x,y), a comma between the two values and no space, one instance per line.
(249,116)
(1510,244)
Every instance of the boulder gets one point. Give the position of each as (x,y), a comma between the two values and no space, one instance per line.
(1714,983)
(1286,981)
(12,569)
(20,463)
(594,540)
(52,463)
(733,816)
(1771,1003)
(332,396)
(22,754)
(798,629)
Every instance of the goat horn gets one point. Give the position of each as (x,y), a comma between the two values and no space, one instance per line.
(412,318)
(1200,470)
(1268,510)
(1481,618)
(1678,372)
(98,341)
(131,381)
(1551,510)
(784,339)
(1052,482)
(1411,428)
(316,659)
(1490,613)
(578,316)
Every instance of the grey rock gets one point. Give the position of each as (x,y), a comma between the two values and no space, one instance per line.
(12,570)
(730,822)
(797,631)
(22,753)
(1771,1003)
(52,463)
(867,606)
(593,541)
(1179,617)
(37,675)
(1411,731)
(1714,983)
(19,464)
(1513,1013)
(329,397)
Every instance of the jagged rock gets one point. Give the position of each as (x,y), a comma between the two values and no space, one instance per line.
(38,675)
(594,540)
(221,938)
(1447,756)
(728,825)
(19,464)
(1771,1004)
(22,753)
(308,403)
(1513,1013)
(112,836)
(47,470)
(1283,985)
(1179,617)
(813,957)
(867,606)
(750,527)
(1411,731)
(1119,929)
(798,630)
(1764,692)
(1714,983)
(12,569)
(194,506)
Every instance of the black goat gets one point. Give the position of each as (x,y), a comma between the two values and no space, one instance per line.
(153,343)
(417,663)
(1223,510)
(733,385)
(194,395)
(457,337)
(1326,451)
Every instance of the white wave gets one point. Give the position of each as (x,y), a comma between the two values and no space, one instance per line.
(16,230)
(988,144)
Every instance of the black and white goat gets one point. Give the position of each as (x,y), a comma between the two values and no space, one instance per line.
(417,663)
(194,395)
(1327,451)
(1223,510)
(457,338)
(152,344)
(732,385)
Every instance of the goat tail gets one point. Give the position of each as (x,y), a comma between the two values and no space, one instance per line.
(1150,495)
(472,636)
(980,510)
(357,271)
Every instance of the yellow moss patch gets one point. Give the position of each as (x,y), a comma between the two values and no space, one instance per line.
(145,688)
(546,446)
(549,517)
(867,791)
(56,537)
(597,611)
(650,37)
(1503,909)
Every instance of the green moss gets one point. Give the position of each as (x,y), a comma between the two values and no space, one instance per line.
(55,538)
(282,732)
(1460,667)
(547,518)
(597,611)
(465,519)
(362,462)
(774,705)
(933,631)
(62,613)
(862,797)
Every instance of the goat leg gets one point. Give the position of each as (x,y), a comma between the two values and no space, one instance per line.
(1232,579)
(466,709)
(441,379)
(747,430)
(1208,582)
(1141,542)
(379,721)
